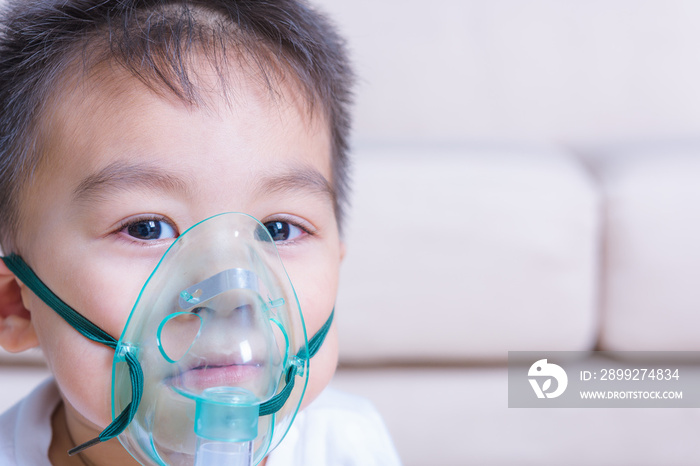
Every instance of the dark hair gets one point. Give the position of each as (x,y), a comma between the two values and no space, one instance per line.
(41,40)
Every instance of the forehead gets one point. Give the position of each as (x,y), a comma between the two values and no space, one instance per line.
(85,89)
(108,92)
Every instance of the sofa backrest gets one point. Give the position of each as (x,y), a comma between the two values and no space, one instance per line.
(547,71)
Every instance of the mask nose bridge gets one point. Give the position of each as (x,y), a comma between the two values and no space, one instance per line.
(221,256)
(217,284)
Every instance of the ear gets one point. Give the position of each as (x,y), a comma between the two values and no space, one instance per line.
(16,329)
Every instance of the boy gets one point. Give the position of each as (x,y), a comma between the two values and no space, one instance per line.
(124,123)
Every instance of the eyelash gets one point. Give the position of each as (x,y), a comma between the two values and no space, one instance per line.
(304,226)
(125,224)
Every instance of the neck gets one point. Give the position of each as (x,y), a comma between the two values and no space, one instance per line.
(66,436)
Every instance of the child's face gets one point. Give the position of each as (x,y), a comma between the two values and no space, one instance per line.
(127,170)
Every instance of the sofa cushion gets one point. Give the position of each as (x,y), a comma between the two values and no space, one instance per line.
(465,254)
(460,416)
(32,357)
(651,298)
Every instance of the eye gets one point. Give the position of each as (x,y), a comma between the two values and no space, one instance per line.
(283,231)
(150,230)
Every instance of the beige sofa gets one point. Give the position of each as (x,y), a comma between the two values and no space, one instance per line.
(534,254)
(527,176)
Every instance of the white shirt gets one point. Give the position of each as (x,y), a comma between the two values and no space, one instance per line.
(337,429)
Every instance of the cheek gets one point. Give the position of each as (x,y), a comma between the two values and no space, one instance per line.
(110,305)
(81,367)
(102,289)
(316,284)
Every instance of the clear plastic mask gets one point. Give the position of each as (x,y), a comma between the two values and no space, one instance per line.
(216,329)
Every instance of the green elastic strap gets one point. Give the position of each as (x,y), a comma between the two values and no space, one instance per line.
(91,331)
(27,276)
(275,403)
(317,340)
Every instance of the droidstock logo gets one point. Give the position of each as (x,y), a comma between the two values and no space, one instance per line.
(545,372)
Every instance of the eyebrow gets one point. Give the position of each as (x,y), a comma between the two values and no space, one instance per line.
(122,176)
(296,179)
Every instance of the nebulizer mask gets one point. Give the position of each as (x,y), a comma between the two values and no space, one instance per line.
(212,364)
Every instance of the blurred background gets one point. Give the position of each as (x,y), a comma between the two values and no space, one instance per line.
(526,177)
